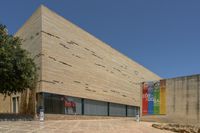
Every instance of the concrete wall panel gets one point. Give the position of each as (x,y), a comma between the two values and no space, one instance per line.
(183,99)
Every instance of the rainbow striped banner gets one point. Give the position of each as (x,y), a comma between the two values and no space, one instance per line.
(154,98)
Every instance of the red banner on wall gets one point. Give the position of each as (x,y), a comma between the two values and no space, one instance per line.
(144,98)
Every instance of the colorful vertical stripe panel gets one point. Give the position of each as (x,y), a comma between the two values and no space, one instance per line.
(150,98)
(156,95)
(154,98)
(163,97)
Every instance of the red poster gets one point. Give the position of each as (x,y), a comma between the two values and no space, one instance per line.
(145,99)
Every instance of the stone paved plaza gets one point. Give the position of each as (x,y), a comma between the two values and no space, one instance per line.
(79,126)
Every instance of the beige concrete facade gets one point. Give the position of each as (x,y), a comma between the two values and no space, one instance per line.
(78,64)
(5,104)
(9,104)
(73,62)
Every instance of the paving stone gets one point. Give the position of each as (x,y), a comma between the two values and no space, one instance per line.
(80,126)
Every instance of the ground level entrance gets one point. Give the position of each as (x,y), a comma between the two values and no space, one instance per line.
(59,104)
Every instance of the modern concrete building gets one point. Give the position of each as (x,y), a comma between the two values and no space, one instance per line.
(80,74)
(78,70)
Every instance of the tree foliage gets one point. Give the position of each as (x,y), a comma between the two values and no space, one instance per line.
(17,69)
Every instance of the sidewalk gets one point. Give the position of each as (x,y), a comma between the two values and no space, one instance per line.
(79,126)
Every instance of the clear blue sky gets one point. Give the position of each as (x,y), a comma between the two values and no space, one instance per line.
(162,35)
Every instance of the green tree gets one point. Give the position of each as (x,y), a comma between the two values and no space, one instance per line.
(17,69)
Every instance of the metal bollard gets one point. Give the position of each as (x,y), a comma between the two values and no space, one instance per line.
(41,114)
(137,118)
